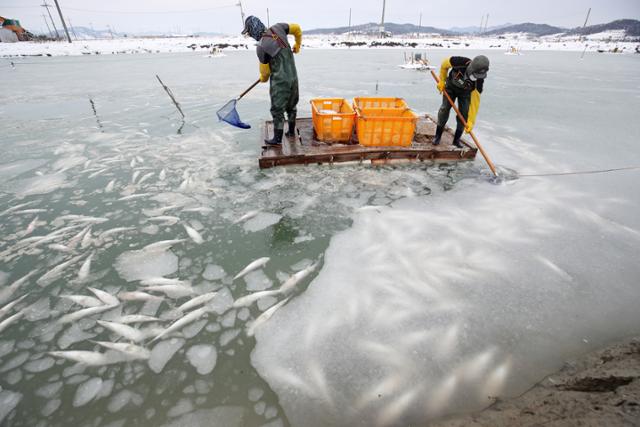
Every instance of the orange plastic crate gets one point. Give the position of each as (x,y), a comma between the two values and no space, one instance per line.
(385,127)
(368,102)
(333,119)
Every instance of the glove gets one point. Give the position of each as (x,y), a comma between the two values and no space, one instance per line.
(441,85)
(296,48)
(263,78)
(469,127)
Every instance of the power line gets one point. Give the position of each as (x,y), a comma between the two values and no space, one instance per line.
(121,12)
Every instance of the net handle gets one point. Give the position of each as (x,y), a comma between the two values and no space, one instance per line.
(247,91)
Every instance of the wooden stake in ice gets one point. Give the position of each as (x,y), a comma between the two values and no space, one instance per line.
(171,96)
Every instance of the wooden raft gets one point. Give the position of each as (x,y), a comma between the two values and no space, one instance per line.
(305,149)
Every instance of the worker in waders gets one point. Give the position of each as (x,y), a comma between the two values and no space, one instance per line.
(463,79)
(276,61)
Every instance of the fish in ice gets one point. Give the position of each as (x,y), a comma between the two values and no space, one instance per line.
(139,159)
(123,330)
(99,172)
(29,211)
(92,219)
(199,209)
(172,291)
(146,177)
(253,297)
(113,231)
(7,291)
(32,226)
(137,318)
(55,273)
(73,242)
(195,236)
(84,300)
(89,358)
(105,297)
(138,296)
(72,317)
(134,196)
(246,216)
(60,248)
(162,245)
(184,321)
(86,267)
(161,281)
(4,310)
(131,350)
(86,239)
(167,219)
(10,320)
(296,278)
(199,300)
(133,163)
(251,329)
(134,177)
(20,206)
(254,265)
(110,186)
(163,175)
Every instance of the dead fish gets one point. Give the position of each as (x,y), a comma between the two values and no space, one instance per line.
(85,268)
(184,321)
(265,316)
(105,297)
(60,248)
(131,350)
(172,291)
(113,231)
(134,197)
(259,263)
(10,321)
(134,177)
(167,219)
(55,273)
(194,302)
(199,209)
(72,317)
(78,238)
(296,278)
(246,216)
(133,163)
(32,226)
(139,159)
(195,236)
(138,296)
(163,175)
(100,172)
(110,186)
(126,331)
(7,292)
(146,177)
(159,281)
(4,310)
(29,211)
(137,318)
(162,245)
(91,219)
(84,300)
(86,239)
(20,206)
(90,358)
(251,298)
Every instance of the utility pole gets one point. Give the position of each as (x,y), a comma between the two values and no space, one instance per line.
(62,19)
(481,24)
(486,23)
(384,4)
(420,24)
(587,18)
(46,6)
(48,27)
(75,36)
(241,11)
(110,32)
(268,24)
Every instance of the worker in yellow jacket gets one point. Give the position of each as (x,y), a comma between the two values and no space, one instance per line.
(463,79)
(277,65)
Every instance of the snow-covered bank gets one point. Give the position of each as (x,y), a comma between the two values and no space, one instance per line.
(605,42)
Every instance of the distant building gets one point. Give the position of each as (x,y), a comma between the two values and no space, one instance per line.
(11,31)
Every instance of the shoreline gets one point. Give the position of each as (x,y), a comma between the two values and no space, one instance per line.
(601,388)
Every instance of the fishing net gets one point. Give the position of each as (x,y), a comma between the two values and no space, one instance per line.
(229,114)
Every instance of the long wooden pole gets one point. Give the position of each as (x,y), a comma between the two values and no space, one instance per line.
(64,24)
(464,122)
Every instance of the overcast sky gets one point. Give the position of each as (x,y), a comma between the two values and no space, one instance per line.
(223,16)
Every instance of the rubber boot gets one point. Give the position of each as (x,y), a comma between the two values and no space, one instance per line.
(292,130)
(457,136)
(277,137)
(439,131)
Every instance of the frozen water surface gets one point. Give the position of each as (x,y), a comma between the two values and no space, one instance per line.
(436,290)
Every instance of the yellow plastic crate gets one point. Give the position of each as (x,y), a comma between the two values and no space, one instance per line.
(333,119)
(368,102)
(385,127)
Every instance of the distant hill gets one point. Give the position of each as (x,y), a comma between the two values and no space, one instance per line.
(527,27)
(372,28)
(630,26)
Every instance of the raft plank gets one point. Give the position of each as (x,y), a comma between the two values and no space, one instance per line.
(305,149)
